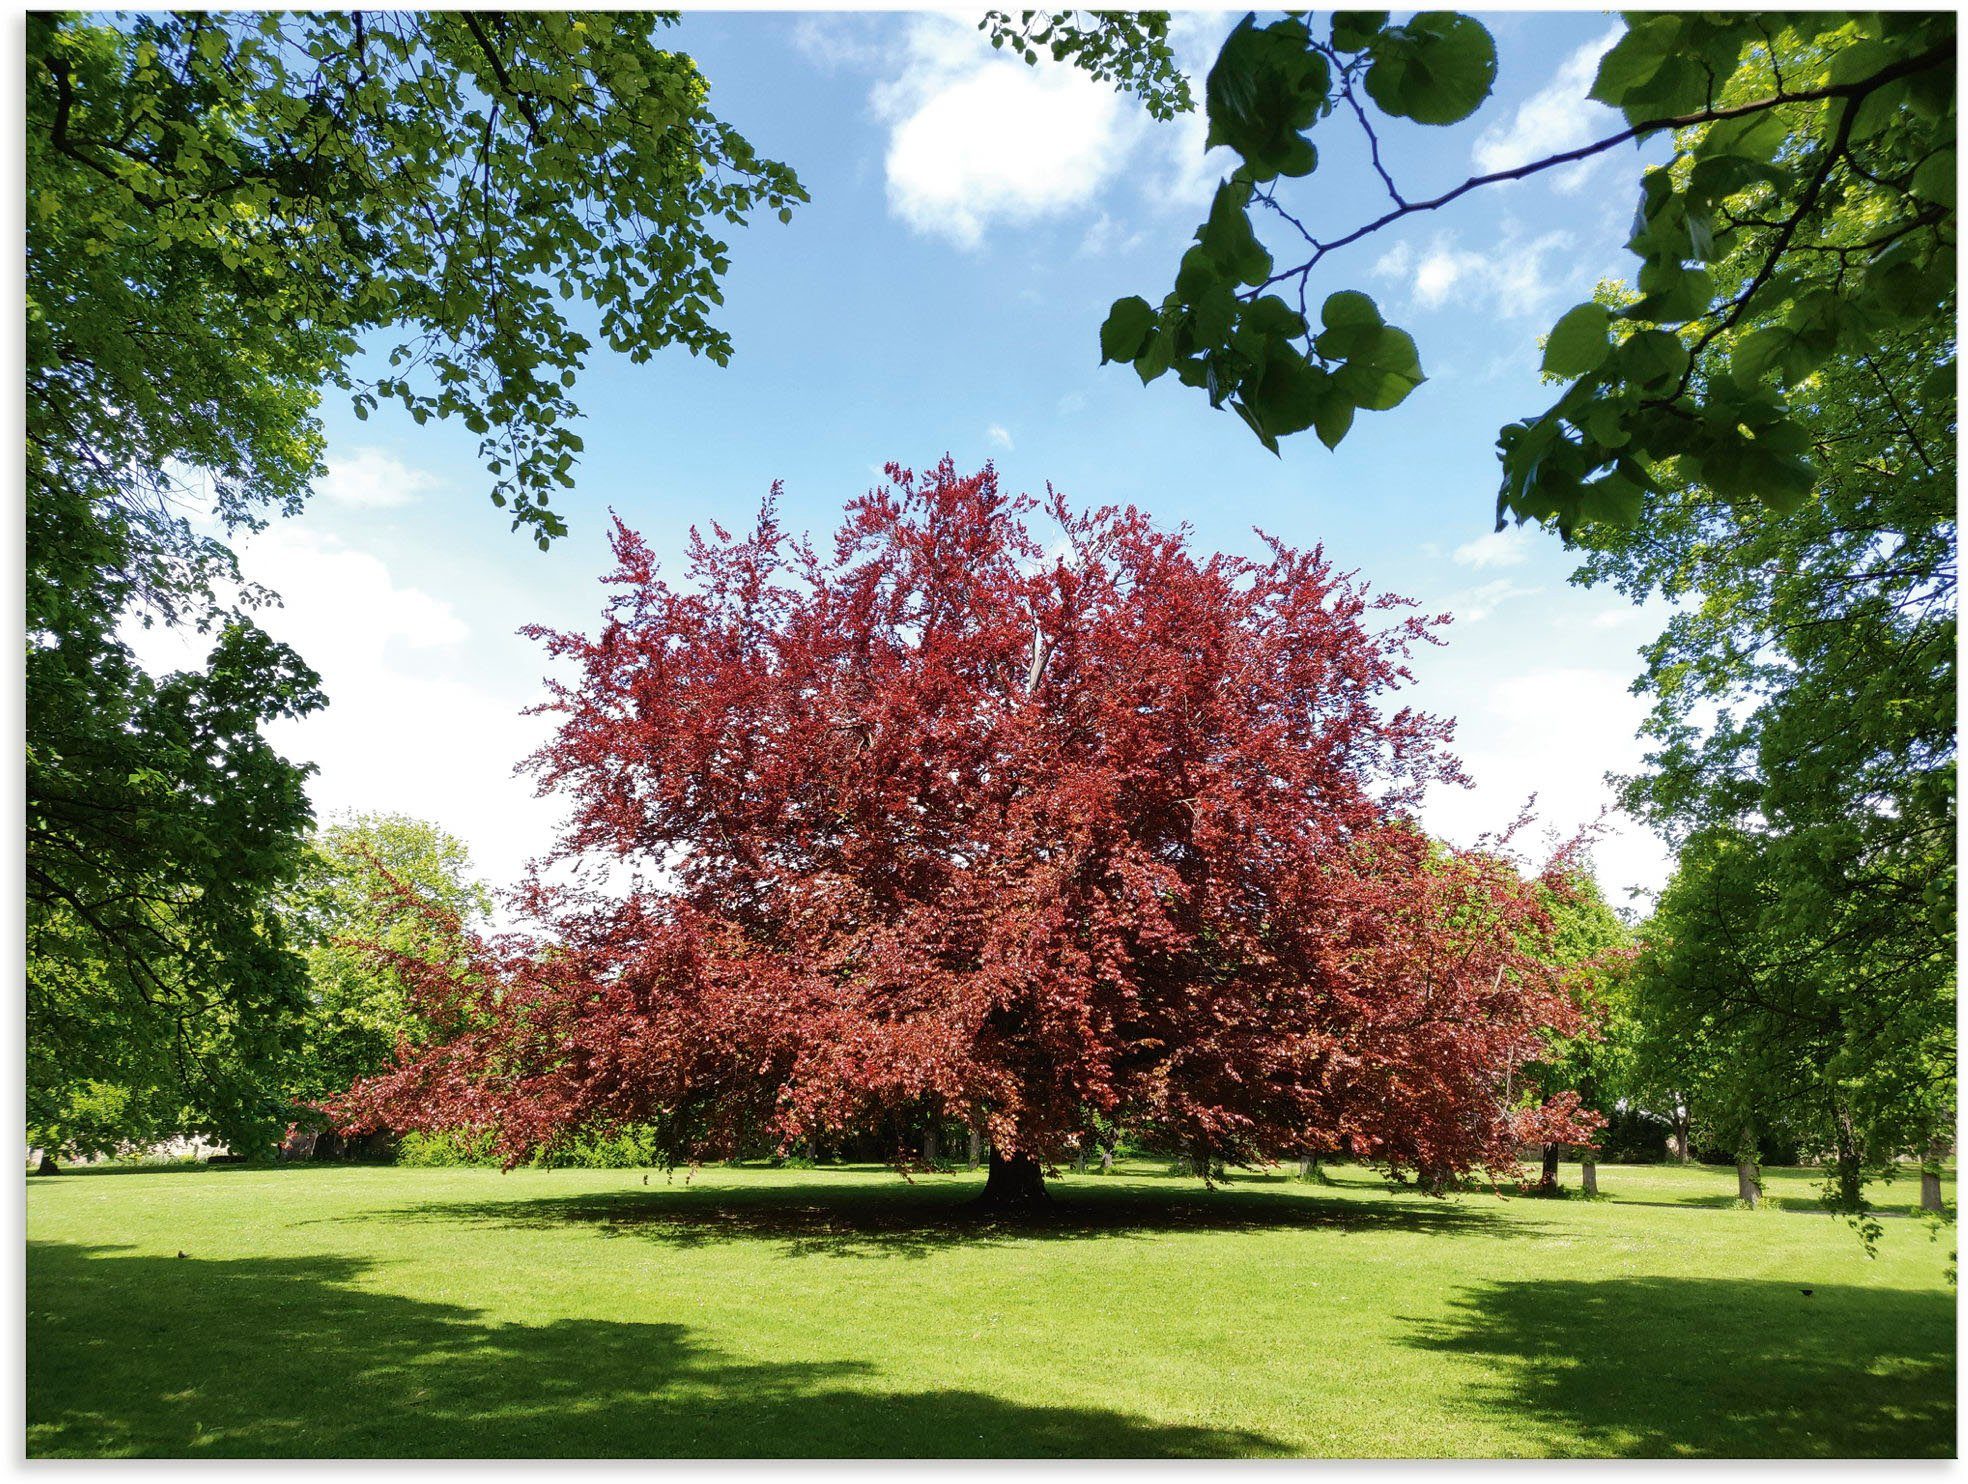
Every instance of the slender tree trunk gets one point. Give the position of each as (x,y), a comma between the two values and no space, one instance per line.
(1930,1175)
(976,1147)
(1106,1159)
(929,1149)
(1681,1121)
(1749,1183)
(1015,1184)
(1589,1175)
(1548,1177)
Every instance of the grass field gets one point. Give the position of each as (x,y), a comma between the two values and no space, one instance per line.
(361,1311)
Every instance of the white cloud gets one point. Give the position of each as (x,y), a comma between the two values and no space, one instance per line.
(1189,173)
(340,606)
(1509,547)
(405,728)
(369,478)
(978,138)
(1478,603)
(1554,733)
(835,42)
(1515,278)
(1557,117)
(999,434)
(1108,236)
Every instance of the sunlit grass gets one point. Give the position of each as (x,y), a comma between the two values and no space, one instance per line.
(357,1311)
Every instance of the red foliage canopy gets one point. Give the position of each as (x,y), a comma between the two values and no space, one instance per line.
(1016,834)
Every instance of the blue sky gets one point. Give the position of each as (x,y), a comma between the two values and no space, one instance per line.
(971,220)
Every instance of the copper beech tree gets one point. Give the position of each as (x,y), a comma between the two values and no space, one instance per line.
(951,822)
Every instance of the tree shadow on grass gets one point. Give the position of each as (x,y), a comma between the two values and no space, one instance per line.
(862,1220)
(257,1357)
(1712,1367)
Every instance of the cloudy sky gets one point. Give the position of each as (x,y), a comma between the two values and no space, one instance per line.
(972,218)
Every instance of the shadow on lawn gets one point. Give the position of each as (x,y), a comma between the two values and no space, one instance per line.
(288,1357)
(1712,1367)
(860,1220)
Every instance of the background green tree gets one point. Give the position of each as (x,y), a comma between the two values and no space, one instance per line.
(1593,945)
(344,908)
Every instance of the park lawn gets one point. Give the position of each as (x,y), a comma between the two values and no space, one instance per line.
(840,1312)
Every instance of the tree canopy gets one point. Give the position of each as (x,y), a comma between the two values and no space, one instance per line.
(1786,130)
(945,820)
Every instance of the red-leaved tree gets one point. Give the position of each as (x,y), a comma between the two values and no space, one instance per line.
(949,821)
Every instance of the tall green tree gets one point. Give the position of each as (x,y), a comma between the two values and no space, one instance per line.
(346,916)
(226,215)
(1592,946)
(1803,728)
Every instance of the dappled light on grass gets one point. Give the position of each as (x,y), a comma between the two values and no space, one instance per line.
(1711,1366)
(840,1311)
(191,1357)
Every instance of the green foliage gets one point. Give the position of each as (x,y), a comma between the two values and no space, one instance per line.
(220,209)
(303,180)
(1807,216)
(632,1147)
(1592,948)
(1436,69)
(1804,757)
(341,912)
(1811,1029)
(159,826)
(1127,48)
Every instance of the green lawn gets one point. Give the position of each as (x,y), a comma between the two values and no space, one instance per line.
(360,1311)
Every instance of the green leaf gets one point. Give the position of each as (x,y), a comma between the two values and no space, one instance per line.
(1349,307)
(1579,343)
(1267,86)
(1271,316)
(1635,58)
(1227,236)
(1382,373)
(1653,358)
(1436,69)
(1354,30)
(1288,394)
(1126,331)
(1198,272)
(1934,179)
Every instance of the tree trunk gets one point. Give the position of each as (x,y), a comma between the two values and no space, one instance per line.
(976,1147)
(1106,1159)
(49,1167)
(1308,1166)
(1930,1174)
(1589,1175)
(1015,1184)
(1749,1188)
(1681,1121)
(929,1148)
(1548,1177)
